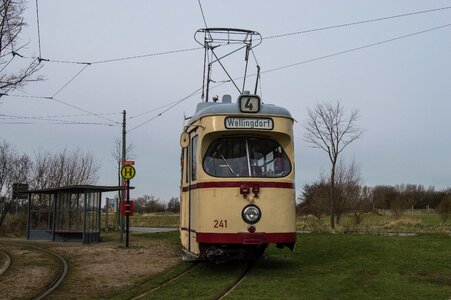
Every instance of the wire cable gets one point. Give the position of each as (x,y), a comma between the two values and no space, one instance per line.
(145,55)
(166,110)
(358,22)
(6,65)
(64,103)
(84,110)
(39,33)
(202,12)
(354,49)
(5,116)
(152,110)
(72,79)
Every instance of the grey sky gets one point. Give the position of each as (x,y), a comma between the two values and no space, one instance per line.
(402,88)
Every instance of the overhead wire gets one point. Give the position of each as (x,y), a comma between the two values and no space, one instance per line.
(5,116)
(64,103)
(167,109)
(70,80)
(358,22)
(145,55)
(173,104)
(6,65)
(39,32)
(355,49)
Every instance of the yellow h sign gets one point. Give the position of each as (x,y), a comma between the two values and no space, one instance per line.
(128,172)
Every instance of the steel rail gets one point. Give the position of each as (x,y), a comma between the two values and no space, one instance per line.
(58,279)
(166,282)
(234,284)
(5,266)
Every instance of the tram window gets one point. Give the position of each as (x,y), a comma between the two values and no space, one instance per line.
(194,158)
(232,157)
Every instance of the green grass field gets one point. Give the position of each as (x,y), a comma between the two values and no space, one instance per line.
(323,266)
(420,222)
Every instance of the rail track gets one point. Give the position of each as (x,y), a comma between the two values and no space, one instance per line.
(56,281)
(7,263)
(221,295)
(166,282)
(59,278)
(234,284)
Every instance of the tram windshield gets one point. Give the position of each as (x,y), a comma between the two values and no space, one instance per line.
(246,157)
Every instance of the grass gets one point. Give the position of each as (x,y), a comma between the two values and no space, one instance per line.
(355,266)
(420,222)
(323,266)
(156,220)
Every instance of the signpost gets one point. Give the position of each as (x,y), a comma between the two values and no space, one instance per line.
(127,172)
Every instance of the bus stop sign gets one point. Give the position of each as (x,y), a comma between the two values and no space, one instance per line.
(128,172)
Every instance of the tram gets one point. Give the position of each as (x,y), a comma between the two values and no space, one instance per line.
(237,183)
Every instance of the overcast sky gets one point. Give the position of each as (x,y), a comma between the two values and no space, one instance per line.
(402,88)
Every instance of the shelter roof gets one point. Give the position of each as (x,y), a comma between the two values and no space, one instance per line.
(77,189)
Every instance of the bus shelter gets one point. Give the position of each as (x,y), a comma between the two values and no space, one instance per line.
(70,213)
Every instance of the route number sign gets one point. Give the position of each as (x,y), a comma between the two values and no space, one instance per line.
(249,103)
(128,172)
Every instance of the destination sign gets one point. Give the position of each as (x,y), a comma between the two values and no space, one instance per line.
(249,123)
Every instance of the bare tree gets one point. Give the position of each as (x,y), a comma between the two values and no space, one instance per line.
(14,168)
(11,25)
(63,169)
(328,127)
(347,186)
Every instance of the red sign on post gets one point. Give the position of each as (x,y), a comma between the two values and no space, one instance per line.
(124,208)
(128,163)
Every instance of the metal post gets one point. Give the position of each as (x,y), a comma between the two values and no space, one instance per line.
(55,199)
(127,211)
(106,214)
(99,215)
(124,147)
(84,217)
(29,216)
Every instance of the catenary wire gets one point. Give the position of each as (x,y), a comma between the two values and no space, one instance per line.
(167,109)
(39,32)
(40,118)
(6,65)
(72,79)
(57,123)
(62,102)
(357,22)
(354,49)
(145,55)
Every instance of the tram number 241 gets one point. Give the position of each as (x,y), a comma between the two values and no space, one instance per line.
(220,223)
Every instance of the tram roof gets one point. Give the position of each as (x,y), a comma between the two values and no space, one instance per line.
(220,108)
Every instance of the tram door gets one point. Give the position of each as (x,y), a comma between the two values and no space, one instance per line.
(191,197)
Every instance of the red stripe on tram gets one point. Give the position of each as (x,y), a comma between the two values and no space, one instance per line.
(245,238)
(230,184)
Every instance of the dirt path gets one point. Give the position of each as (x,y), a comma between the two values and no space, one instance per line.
(95,270)
(30,272)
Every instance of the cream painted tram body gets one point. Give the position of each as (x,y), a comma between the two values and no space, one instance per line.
(237,186)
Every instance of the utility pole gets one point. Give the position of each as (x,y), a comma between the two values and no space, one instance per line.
(124,158)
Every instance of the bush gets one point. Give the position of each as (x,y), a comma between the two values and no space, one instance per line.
(444,208)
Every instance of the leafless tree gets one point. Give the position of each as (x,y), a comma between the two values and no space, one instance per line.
(330,128)
(348,181)
(14,168)
(63,169)
(11,25)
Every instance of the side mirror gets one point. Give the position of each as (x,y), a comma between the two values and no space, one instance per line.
(184,140)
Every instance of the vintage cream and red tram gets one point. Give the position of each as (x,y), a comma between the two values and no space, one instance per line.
(237,186)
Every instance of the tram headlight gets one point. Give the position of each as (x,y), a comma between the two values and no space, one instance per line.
(251,214)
